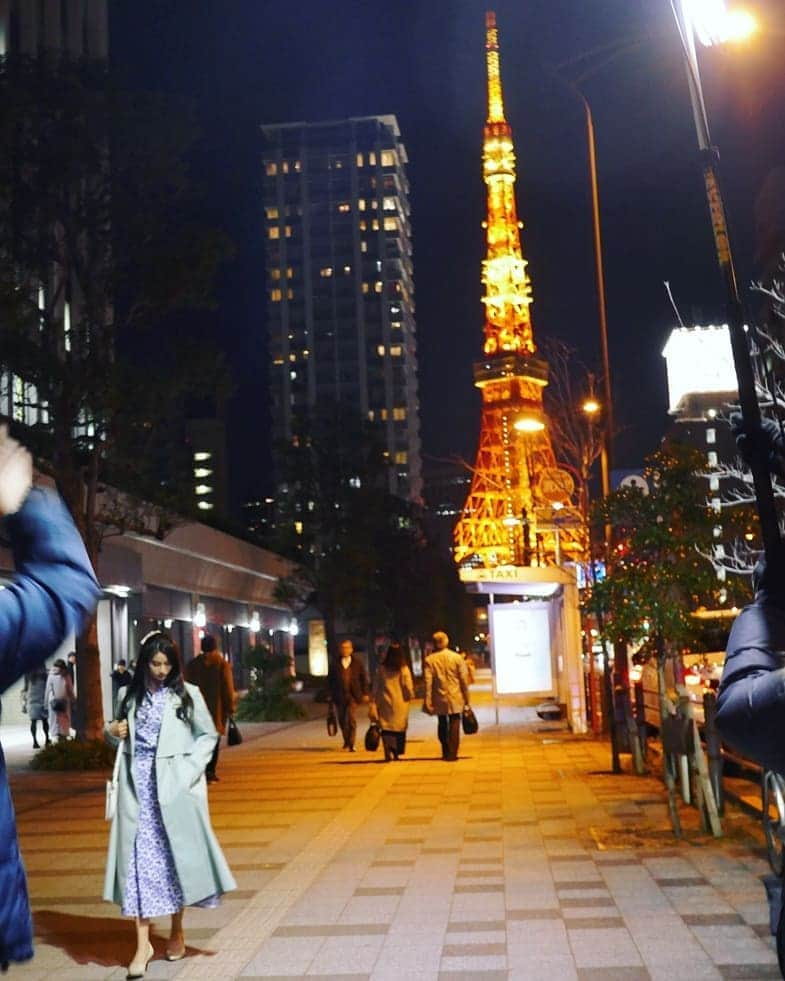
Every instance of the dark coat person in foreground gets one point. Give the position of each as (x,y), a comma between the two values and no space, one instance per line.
(54,593)
(751,697)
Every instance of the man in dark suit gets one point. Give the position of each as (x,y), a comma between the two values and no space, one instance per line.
(348,682)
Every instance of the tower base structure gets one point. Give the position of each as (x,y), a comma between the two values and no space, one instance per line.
(534,631)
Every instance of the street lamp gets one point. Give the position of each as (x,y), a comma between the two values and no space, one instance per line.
(712,23)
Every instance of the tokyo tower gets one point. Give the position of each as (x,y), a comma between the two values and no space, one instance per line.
(516,470)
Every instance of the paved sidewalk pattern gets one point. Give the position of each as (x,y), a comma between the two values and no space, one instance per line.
(524,860)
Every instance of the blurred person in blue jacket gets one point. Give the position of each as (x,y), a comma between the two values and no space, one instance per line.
(53,595)
(751,696)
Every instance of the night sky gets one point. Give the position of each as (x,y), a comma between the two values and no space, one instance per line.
(247,62)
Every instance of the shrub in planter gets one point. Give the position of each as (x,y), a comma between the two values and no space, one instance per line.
(268,698)
(75,754)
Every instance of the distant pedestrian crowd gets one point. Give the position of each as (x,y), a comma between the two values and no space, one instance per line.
(447,676)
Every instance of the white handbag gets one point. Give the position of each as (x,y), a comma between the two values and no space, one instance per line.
(112,785)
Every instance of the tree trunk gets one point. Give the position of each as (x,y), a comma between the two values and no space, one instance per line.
(88,667)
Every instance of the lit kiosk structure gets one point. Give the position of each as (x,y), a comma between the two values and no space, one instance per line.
(518,522)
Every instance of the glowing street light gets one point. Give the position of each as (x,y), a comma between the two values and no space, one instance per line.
(591,407)
(710,21)
(529,424)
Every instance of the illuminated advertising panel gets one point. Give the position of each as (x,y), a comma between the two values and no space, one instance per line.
(700,361)
(317,648)
(521,638)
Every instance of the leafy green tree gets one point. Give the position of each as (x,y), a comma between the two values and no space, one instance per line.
(98,252)
(658,575)
(268,698)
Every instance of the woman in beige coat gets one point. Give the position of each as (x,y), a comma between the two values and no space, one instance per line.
(393,689)
(163,855)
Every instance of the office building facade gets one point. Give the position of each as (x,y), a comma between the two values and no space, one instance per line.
(340,289)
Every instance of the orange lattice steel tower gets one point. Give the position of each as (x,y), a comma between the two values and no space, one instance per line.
(497,525)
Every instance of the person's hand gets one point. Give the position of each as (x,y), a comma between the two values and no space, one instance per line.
(764,442)
(119,729)
(16,473)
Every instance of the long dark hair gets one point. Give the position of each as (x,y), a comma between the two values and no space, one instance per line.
(395,658)
(158,643)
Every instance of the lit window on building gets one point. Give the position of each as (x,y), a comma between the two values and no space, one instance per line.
(290,294)
(289,272)
(391,224)
(288,231)
(274,232)
(355,482)
(401,457)
(326,271)
(381,350)
(372,158)
(201,472)
(388,158)
(271,169)
(711,457)
(285,167)
(375,224)
(378,265)
(716,505)
(377,286)
(205,505)
(366,287)
(371,415)
(383,415)
(275,273)
(202,455)
(361,204)
(298,166)
(363,246)
(276,295)
(395,351)
(714,483)
(347,270)
(389,204)
(298,527)
(202,489)
(711,435)
(272,213)
(399,413)
(344,207)
(359,160)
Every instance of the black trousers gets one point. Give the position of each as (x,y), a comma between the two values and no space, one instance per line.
(210,768)
(450,735)
(347,721)
(394,743)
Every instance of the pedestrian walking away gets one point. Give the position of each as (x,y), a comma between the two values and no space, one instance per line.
(121,678)
(392,691)
(52,597)
(59,700)
(34,703)
(163,854)
(348,683)
(446,693)
(212,675)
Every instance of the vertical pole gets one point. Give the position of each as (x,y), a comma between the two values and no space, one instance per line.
(750,410)
(713,748)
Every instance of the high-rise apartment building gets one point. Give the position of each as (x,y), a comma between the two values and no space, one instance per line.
(340,290)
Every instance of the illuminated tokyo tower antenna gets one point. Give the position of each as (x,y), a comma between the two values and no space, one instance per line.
(515,470)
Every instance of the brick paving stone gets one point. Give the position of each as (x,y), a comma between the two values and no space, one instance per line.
(504,865)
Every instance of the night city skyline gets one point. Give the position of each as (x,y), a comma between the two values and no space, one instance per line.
(259,63)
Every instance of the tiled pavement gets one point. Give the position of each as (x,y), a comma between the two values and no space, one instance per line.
(524,860)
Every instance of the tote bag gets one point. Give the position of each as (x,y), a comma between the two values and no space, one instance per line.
(110,808)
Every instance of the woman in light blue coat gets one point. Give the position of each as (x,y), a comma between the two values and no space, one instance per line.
(163,855)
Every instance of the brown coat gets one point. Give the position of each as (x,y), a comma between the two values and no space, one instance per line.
(213,676)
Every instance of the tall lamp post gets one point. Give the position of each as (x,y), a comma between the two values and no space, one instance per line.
(712,23)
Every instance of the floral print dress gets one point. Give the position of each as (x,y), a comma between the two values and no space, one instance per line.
(151,885)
